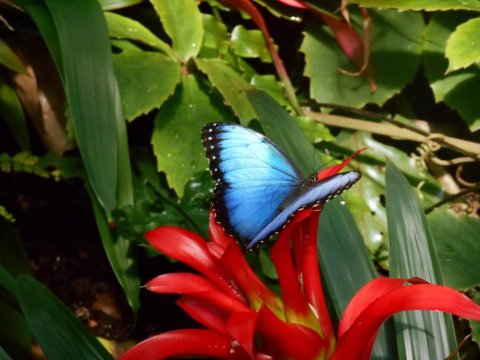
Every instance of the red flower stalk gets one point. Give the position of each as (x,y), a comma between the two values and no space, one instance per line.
(246,320)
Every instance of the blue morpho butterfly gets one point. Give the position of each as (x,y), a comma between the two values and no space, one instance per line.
(258,188)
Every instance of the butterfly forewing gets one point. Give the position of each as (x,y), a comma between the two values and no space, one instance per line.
(253,178)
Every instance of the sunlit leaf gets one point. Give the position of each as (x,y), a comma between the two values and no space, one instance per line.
(9,59)
(455,237)
(176,136)
(146,80)
(117,4)
(463,48)
(249,44)
(420,335)
(429,5)
(215,39)
(457,89)
(395,57)
(182,22)
(121,27)
(230,84)
(12,113)
(60,334)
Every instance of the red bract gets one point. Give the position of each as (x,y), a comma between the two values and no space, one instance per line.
(246,320)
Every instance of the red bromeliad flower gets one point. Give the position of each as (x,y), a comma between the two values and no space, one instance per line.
(246,320)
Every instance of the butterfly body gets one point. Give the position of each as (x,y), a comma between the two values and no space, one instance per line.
(258,189)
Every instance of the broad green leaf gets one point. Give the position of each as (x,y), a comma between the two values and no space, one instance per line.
(338,235)
(456,241)
(271,86)
(463,46)
(313,130)
(475,325)
(89,83)
(230,84)
(4,355)
(146,80)
(458,89)
(249,44)
(121,255)
(420,335)
(395,56)
(60,334)
(9,59)
(182,21)
(121,27)
(428,5)
(176,136)
(117,4)
(215,39)
(15,335)
(12,113)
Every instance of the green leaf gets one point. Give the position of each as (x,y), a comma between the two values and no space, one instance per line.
(117,4)
(428,5)
(146,80)
(121,255)
(396,44)
(315,131)
(230,84)
(60,334)
(12,113)
(215,39)
(84,68)
(178,124)
(420,335)
(4,355)
(338,235)
(462,46)
(182,21)
(9,59)
(271,86)
(249,44)
(456,241)
(458,89)
(475,325)
(121,27)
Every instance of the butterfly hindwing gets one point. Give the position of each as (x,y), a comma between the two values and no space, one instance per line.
(311,193)
(253,178)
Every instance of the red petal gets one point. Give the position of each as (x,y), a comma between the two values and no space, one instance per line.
(294,3)
(242,328)
(356,342)
(187,343)
(335,169)
(364,297)
(307,255)
(253,288)
(288,341)
(204,312)
(191,249)
(217,235)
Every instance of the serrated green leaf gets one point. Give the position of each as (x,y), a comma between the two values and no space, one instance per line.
(338,235)
(428,5)
(313,130)
(9,59)
(230,84)
(146,80)
(463,45)
(215,39)
(459,89)
(121,27)
(249,44)
(60,334)
(178,124)
(182,21)
(12,113)
(420,335)
(456,241)
(395,56)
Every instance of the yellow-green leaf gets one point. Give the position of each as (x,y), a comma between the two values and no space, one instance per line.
(463,46)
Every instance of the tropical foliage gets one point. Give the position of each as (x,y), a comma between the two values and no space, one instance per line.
(111,96)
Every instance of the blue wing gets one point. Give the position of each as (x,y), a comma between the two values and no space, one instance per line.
(311,194)
(253,178)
